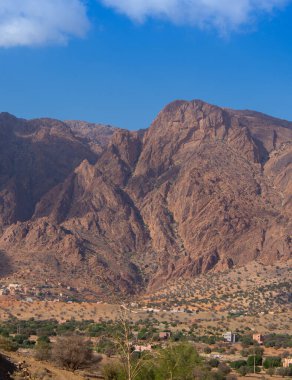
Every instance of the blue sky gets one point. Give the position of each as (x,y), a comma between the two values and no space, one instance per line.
(119,62)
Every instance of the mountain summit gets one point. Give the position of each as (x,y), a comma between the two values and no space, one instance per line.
(108,210)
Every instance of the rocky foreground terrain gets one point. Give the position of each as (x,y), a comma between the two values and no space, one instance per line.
(112,211)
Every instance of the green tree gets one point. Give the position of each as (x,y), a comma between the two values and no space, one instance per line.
(254,360)
(177,362)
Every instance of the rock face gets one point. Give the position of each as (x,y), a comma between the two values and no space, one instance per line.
(97,136)
(204,188)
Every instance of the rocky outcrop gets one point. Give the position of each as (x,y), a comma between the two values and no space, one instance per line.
(97,136)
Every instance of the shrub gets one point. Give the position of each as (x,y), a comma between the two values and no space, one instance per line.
(270,371)
(214,362)
(224,368)
(113,371)
(244,370)
(272,361)
(284,371)
(238,363)
(246,340)
(72,352)
(107,347)
(6,344)
(42,350)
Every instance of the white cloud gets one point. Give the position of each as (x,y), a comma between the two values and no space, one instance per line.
(224,15)
(38,22)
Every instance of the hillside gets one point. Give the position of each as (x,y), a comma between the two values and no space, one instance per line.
(112,211)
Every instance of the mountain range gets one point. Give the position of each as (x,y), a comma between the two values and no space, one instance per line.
(111,211)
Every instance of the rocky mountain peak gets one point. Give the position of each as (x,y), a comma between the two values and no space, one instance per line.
(203,189)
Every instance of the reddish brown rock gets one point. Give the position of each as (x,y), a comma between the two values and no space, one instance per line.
(204,188)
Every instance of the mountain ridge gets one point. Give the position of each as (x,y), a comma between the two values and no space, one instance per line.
(204,188)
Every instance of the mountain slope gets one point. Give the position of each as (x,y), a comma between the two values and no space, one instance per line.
(204,188)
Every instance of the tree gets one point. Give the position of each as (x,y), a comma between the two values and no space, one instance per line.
(132,365)
(177,362)
(72,352)
(254,360)
(256,350)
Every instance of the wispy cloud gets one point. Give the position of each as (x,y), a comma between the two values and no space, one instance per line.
(38,22)
(223,15)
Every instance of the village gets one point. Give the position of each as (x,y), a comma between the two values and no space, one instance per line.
(46,292)
(241,320)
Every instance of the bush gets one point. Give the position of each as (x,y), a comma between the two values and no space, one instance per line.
(278,340)
(246,340)
(207,350)
(270,371)
(72,352)
(284,371)
(244,370)
(107,347)
(238,364)
(217,375)
(224,368)
(257,370)
(244,352)
(113,371)
(42,350)
(214,363)
(272,362)
(6,344)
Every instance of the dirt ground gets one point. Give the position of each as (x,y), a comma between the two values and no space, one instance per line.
(36,367)
(61,311)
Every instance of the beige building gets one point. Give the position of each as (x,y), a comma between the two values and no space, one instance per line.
(143,348)
(287,362)
(258,338)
